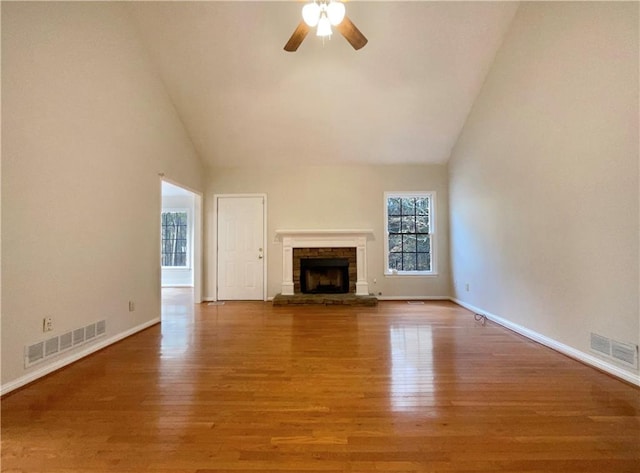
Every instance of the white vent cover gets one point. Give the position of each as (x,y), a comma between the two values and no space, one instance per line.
(52,346)
(35,352)
(90,331)
(101,327)
(66,341)
(624,353)
(600,344)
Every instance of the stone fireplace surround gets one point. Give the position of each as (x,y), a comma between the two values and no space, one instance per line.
(324,239)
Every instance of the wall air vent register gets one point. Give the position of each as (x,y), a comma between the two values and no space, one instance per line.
(53,346)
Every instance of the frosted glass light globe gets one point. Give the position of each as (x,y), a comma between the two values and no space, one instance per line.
(335,11)
(311,13)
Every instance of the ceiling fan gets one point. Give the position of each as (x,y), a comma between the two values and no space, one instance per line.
(323,14)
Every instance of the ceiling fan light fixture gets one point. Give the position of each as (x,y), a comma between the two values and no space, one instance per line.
(311,14)
(324,26)
(335,12)
(322,14)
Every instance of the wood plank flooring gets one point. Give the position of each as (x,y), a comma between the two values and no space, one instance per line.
(248,387)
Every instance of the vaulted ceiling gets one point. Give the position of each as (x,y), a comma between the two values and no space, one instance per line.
(244,101)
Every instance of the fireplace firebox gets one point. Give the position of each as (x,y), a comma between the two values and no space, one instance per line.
(324,275)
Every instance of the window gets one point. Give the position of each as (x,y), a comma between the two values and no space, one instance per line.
(174,238)
(409,228)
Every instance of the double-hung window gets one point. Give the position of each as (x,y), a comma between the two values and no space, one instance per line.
(174,238)
(409,228)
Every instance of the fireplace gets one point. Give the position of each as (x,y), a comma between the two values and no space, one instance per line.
(325,242)
(324,275)
(333,268)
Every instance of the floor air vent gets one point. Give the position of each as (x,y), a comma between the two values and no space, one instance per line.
(53,346)
(624,353)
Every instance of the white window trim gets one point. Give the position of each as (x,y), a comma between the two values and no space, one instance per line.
(432,234)
(189,237)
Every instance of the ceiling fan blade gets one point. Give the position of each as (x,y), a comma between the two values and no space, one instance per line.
(351,33)
(297,37)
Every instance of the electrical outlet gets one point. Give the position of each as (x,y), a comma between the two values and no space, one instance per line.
(466,287)
(47,324)
(132,306)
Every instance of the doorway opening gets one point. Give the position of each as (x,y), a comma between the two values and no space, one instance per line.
(180,244)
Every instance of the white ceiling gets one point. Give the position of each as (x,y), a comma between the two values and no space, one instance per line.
(403,98)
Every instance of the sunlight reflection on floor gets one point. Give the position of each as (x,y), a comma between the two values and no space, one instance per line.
(412,369)
(177,322)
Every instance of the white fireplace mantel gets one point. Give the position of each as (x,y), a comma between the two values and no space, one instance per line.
(324,239)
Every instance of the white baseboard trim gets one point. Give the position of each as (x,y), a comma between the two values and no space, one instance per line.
(62,362)
(555,345)
(413,298)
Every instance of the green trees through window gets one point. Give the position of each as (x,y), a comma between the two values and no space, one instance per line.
(174,238)
(409,232)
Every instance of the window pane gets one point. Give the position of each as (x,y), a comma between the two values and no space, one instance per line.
(395,261)
(424,262)
(409,206)
(409,233)
(408,224)
(423,243)
(174,239)
(409,243)
(409,262)
(393,206)
(394,224)
(395,243)
(422,224)
(422,206)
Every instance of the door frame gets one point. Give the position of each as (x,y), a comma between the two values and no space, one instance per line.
(214,245)
(196,250)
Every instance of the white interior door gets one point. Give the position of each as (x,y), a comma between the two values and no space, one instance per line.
(240,248)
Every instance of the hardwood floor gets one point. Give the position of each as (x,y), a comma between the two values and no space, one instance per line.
(247,387)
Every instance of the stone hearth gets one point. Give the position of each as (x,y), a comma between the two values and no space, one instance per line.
(326,299)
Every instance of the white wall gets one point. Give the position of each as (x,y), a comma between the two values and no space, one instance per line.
(544,177)
(336,197)
(177,277)
(87,127)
